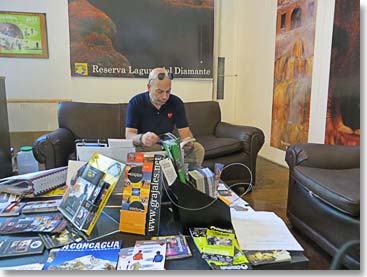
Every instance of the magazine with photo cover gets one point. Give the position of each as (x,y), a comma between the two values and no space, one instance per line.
(19,246)
(267,257)
(148,255)
(85,256)
(214,243)
(6,199)
(48,223)
(239,262)
(13,209)
(65,237)
(41,206)
(177,247)
(89,191)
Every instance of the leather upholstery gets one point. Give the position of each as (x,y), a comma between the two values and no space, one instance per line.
(336,187)
(223,142)
(217,147)
(324,195)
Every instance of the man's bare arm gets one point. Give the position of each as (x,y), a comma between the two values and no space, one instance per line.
(146,139)
(131,133)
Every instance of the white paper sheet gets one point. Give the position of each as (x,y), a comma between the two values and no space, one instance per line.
(263,231)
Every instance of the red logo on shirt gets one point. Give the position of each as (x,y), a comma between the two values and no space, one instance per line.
(170,115)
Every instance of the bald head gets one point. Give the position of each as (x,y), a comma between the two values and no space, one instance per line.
(153,75)
(159,87)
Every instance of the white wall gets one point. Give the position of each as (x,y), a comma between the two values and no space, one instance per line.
(256,68)
(245,36)
(50,78)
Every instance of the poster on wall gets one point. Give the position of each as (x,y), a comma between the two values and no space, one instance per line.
(343,110)
(129,38)
(23,35)
(294,50)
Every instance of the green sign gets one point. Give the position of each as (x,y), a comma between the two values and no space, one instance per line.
(23,35)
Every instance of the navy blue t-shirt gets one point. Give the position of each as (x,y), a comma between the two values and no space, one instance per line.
(142,115)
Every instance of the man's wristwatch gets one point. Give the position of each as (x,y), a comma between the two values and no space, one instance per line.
(141,139)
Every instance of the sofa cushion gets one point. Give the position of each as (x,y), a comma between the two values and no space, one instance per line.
(217,147)
(339,188)
(203,117)
(91,120)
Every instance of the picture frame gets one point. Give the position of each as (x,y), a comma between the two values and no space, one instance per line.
(23,35)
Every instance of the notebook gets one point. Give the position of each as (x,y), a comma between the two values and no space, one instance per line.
(42,181)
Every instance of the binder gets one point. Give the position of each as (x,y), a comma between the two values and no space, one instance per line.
(41,181)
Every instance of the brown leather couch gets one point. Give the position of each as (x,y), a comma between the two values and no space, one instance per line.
(223,142)
(324,195)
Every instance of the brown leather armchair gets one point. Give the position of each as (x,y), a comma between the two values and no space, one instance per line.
(324,195)
(223,142)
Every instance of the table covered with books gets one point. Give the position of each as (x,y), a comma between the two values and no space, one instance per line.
(136,216)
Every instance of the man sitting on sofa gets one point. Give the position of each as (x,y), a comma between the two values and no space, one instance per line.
(157,111)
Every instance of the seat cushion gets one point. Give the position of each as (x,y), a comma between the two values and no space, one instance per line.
(339,188)
(217,147)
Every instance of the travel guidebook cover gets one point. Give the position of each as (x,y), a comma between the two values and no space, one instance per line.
(85,256)
(18,246)
(148,255)
(141,196)
(177,247)
(86,197)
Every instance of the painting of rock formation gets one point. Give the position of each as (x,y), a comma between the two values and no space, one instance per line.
(128,38)
(343,110)
(294,48)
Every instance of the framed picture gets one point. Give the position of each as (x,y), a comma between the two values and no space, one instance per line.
(23,34)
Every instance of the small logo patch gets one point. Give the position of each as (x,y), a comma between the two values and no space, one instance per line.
(170,115)
(81,69)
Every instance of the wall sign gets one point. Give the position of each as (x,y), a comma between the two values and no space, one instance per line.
(129,38)
(23,35)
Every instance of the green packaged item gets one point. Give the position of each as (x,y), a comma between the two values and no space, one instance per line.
(172,146)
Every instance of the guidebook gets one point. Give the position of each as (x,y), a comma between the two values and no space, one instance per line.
(214,243)
(141,195)
(148,255)
(6,199)
(239,262)
(125,258)
(177,247)
(88,193)
(18,246)
(267,257)
(85,256)
(48,223)
(41,206)
(219,248)
(65,237)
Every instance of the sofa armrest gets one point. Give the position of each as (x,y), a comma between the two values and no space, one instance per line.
(323,156)
(53,148)
(252,137)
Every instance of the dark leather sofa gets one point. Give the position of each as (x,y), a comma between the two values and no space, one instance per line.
(324,195)
(223,142)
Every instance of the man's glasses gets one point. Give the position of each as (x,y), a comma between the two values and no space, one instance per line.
(162,75)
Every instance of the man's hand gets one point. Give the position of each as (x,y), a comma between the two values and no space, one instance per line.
(188,146)
(149,139)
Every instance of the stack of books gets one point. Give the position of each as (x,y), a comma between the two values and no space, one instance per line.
(204,180)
